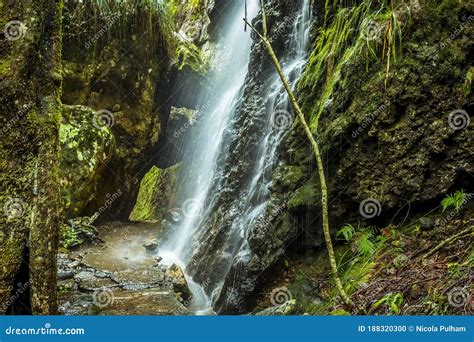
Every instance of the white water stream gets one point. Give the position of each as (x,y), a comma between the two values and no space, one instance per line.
(234,50)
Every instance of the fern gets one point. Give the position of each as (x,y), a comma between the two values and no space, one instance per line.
(347,232)
(455,200)
(393,301)
(364,244)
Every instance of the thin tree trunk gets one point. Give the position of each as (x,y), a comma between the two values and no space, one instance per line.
(317,155)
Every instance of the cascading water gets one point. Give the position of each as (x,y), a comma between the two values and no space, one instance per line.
(234,49)
(208,224)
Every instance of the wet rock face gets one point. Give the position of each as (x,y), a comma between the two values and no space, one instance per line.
(129,113)
(214,255)
(122,73)
(394,142)
(407,152)
(125,73)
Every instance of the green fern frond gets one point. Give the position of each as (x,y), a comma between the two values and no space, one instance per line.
(347,232)
(455,200)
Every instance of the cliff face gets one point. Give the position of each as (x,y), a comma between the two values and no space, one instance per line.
(390,111)
(120,64)
(387,122)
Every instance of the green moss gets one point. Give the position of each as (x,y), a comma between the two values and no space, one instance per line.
(84,149)
(188,54)
(155,194)
(307,195)
(3,20)
(143,209)
(5,65)
(339,45)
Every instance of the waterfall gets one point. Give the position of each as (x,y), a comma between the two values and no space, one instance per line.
(220,212)
(217,107)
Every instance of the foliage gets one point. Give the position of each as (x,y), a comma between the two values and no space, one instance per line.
(64,289)
(455,200)
(393,301)
(468,82)
(99,20)
(188,54)
(454,269)
(347,232)
(435,303)
(362,238)
(68,237)
(347,37)
(364,244)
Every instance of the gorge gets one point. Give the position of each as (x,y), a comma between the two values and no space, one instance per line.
(184,183)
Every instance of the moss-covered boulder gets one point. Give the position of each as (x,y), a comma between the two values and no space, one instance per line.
(155,195)
(86,144)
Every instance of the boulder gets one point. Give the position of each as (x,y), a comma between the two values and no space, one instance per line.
(178,282)
(156,192)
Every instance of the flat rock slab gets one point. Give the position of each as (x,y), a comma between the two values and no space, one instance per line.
(119,277)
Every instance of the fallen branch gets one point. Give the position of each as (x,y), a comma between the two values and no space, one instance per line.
(448,241)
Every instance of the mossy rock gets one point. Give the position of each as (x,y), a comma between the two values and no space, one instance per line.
(85,147)
(155,195)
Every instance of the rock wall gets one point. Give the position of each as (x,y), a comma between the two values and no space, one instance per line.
(383,116)
(391,136)
(120,65)
(237,162)
(119,69)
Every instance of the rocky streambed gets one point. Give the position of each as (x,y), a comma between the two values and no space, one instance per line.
(121,276)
